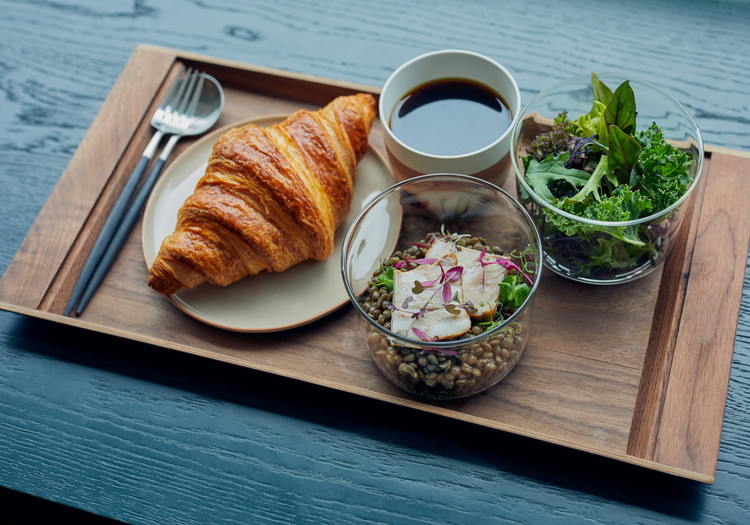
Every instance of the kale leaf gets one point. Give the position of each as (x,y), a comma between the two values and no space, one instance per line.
(663,169)
(625,204)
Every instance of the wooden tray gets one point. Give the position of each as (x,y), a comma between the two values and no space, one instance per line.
(636,372)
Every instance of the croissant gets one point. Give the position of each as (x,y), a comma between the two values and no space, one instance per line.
(269,199)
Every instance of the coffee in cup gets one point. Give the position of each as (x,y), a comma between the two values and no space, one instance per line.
(449,111)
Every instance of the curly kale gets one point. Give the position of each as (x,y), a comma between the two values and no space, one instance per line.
(662,169)
(625,204)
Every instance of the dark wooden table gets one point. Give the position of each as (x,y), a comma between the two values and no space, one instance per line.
(141,434)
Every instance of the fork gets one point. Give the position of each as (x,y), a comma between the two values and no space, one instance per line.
(173,116)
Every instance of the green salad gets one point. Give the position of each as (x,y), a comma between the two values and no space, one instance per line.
(598,167)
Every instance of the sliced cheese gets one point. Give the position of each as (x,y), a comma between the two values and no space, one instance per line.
(480,284)
(444,251)
(438,324)
(403,287)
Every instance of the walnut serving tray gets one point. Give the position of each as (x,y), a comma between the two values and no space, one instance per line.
(636,372)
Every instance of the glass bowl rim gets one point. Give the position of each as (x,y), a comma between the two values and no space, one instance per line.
(442,345)
(614,224)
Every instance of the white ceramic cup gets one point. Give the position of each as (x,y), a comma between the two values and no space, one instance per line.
(491,162)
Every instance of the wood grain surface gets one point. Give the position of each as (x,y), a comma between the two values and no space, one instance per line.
(130,432)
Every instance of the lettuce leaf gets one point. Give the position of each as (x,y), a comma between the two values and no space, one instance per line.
(539,175)
(623,154)
(592,123)
(620,110)
(593,184)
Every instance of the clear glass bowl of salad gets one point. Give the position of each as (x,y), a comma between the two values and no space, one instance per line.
(606,166)
(442,271)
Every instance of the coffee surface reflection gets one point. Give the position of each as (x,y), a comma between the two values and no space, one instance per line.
(449,117)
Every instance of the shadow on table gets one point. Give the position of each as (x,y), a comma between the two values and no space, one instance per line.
(496,460)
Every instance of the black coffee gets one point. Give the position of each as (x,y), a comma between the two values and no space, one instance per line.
(450,117)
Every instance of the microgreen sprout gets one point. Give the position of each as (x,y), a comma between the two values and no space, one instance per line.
(503,262)
(444,280)
(413,263)
(424,337)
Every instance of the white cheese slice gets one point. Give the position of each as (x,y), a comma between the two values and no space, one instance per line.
(438,324)
(403,285)
(481,284)
(444,252)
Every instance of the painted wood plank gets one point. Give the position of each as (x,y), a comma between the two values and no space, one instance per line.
(84,190)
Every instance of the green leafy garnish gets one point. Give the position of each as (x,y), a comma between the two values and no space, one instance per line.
(620,110)
(591,188)
(662,168)
(553,141)
(513,290)
(609,172)
(623,154)
(540,175)
(602,93)
(385,277)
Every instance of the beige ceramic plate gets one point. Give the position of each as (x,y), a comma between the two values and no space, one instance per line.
(266,302)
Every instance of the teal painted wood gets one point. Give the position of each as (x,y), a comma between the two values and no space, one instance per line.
(145,435)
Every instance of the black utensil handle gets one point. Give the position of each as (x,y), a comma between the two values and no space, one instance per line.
(121,235)
(108,230)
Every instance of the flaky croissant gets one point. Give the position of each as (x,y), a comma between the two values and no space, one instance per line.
(270,197)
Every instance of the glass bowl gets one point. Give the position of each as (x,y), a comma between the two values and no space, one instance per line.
(595,251)
(423,345)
